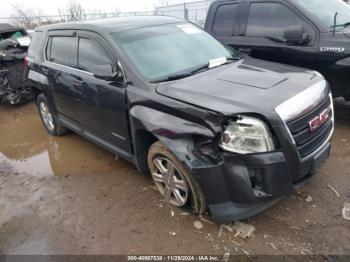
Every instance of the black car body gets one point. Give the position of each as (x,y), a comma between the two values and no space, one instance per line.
(14,44)
(289,108)
(312,34)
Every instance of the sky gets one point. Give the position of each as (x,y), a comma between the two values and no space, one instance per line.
(50,7)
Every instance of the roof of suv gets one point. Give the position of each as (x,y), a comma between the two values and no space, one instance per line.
(114,24)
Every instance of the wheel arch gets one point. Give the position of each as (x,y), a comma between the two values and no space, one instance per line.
(35,91)
(149,125)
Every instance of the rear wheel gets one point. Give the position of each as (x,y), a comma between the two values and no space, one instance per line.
(173,180)
(49,121)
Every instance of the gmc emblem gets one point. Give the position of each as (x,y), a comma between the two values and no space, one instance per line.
(318,121)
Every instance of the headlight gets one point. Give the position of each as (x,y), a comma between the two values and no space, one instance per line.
(247,135)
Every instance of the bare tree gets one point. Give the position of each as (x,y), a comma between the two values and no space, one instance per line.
(117,11)
(162,3)
(62,15)
(72,12)
(75,11)
(26,18)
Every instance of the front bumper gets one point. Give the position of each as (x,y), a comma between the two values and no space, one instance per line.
(244,185)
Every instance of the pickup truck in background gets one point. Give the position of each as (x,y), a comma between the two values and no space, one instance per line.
(313,34)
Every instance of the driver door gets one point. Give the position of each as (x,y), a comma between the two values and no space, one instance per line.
(102,102)
(265,24)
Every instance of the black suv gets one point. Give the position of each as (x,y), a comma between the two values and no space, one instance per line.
(215,130)
(314,34)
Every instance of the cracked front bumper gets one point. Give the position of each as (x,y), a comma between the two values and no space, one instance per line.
(233,192)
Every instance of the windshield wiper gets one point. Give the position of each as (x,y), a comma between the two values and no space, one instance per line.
(235,58)
(182,75)
(173,77)
(193,71)
(341,25)
(335,22)
(335,25)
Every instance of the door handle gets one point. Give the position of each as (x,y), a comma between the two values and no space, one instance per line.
(78,81)
(244,50)
(45,70)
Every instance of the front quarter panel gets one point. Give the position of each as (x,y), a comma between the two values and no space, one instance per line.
(190,132)
(178,134)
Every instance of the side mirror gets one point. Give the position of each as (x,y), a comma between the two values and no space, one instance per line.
(103,71)
(296,35)
(106,72)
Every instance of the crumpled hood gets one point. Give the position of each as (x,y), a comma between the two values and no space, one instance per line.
(245,86)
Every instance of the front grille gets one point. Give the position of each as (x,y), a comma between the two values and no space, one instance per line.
(309,141)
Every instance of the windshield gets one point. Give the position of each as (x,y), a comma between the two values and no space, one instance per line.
(165,50)
(325,10)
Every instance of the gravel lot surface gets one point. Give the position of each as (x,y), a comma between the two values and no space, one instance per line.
(67,196)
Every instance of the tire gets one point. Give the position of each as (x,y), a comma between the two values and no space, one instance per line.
(347,98)
(177,182)
(47,118)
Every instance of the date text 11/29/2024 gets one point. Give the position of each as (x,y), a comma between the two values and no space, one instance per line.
(173,258)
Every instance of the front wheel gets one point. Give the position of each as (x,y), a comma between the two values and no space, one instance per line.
(173,180)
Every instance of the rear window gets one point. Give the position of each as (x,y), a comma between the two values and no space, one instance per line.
(61,51)
(35,45)
(224,20)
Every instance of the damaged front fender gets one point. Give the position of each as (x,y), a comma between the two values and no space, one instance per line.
(184,138)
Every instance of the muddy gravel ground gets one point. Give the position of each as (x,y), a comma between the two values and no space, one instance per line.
(67,196)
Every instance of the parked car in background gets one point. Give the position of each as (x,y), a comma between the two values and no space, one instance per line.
(313,34)
(14,43)
(8,31)
(215,130)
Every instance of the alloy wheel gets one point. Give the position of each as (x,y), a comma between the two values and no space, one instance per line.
(170,182)
(47,117)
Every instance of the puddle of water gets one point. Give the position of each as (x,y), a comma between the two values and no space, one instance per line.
(27,148)
(38,165)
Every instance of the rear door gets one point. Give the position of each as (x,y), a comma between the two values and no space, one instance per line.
(59,66)
(264,24)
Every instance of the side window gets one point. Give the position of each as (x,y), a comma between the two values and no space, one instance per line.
(224,20)
(62,51)
(91,54)
(270,19)
(35,45)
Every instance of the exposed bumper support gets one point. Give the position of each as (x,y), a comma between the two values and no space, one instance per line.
(244,185)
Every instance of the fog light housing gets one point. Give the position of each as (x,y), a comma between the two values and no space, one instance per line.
(257,180)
